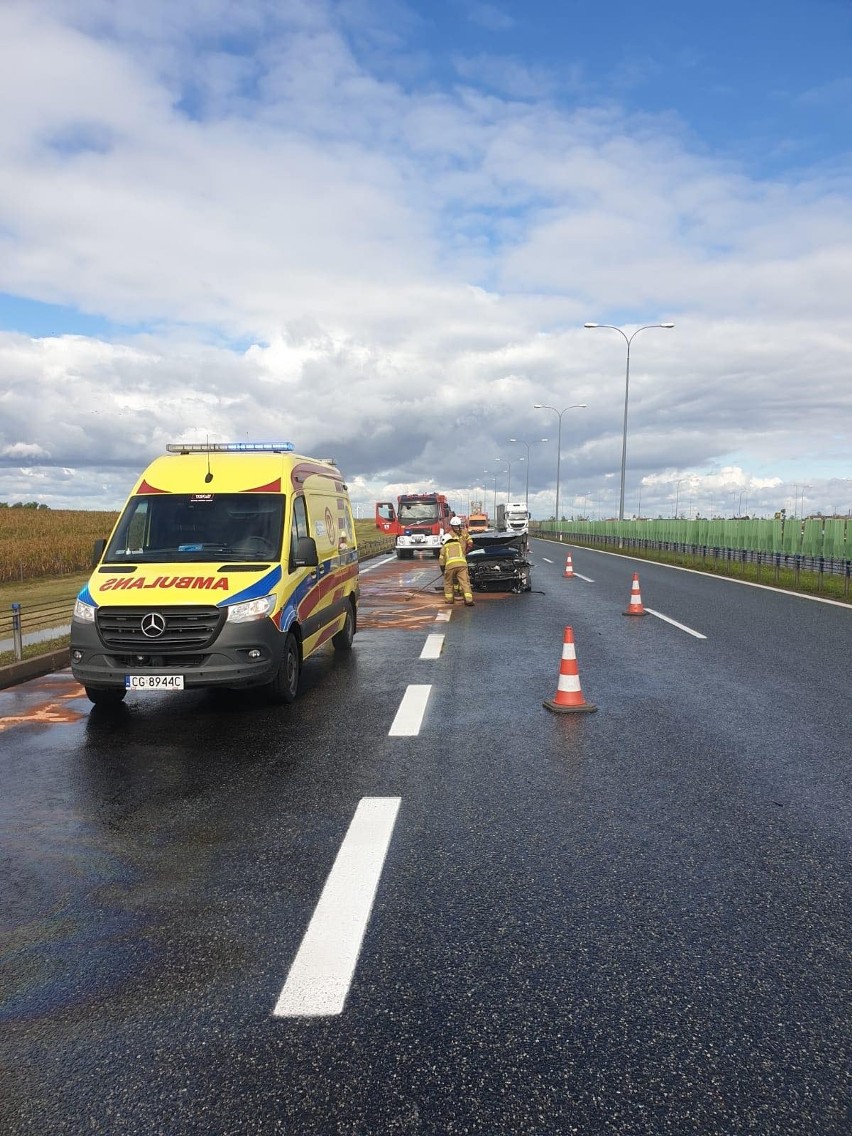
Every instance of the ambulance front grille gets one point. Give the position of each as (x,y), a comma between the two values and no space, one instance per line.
(136,628)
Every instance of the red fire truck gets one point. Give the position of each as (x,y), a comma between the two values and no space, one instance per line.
(417,520)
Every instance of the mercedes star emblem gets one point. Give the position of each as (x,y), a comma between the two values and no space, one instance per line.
(153,624)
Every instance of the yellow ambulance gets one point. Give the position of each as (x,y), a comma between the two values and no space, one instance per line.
(230,564)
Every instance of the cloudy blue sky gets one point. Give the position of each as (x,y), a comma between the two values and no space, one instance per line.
(377,227)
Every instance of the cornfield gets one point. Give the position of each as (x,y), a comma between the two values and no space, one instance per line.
(38,543)
(35,543)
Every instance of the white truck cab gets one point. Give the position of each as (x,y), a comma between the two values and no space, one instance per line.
(514,517)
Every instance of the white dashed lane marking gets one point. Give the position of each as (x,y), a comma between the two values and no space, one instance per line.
(322,970)
(409,716)
(675,623)
(432,647)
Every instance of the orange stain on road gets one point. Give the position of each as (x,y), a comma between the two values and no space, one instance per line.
(44,701)
(394,597)
(407,601)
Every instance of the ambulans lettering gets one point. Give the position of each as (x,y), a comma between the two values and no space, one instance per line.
(206,583)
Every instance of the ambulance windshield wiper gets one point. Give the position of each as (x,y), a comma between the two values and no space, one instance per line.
(195,554)
(168,555)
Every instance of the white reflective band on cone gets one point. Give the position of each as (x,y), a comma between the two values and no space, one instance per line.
(568,683)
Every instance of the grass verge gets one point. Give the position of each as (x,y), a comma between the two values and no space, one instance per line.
(34,650)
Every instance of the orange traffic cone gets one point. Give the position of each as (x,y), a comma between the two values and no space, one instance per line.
(635,607)
(569,568)
(569,697)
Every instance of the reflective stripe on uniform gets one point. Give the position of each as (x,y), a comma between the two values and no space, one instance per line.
(451,554)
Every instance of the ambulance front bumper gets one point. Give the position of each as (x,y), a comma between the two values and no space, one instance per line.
(241,655)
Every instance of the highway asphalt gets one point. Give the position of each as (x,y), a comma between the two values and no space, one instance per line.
(390,909)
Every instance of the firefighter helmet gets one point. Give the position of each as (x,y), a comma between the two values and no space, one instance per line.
(455,522)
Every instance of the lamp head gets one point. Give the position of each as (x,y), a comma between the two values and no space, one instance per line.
(591,325)
(666,325)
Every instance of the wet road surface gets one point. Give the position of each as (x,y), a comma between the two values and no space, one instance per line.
(635,921)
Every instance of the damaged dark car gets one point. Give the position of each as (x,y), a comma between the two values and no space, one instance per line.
(498,562)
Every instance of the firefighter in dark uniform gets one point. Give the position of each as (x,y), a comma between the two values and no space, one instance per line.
(454,563)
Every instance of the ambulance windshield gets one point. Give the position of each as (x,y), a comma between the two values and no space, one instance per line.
(187,527)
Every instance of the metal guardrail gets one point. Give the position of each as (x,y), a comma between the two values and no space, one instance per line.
(24,624)
(367,549)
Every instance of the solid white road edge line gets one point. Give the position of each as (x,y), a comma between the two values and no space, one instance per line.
(369,567)
(409,716)
(432,647)
(675,623)
(322,970)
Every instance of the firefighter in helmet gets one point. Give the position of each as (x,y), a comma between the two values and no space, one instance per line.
(466,541)
(464,534)
(454,563)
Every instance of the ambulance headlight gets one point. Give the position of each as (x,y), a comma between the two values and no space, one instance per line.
(251,610)
(83,612)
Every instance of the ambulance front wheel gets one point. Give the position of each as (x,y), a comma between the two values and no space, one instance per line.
(105,695)
(285,684)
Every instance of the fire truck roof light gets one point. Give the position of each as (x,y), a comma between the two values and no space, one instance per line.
(229,447)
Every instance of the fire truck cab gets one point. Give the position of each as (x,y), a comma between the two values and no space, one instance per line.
(418,522)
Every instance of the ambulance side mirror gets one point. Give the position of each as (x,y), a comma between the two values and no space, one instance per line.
(306,553)
(97,552)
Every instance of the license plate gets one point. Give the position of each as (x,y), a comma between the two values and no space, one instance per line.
(153,682)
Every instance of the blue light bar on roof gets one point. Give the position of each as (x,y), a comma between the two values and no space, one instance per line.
(230,447)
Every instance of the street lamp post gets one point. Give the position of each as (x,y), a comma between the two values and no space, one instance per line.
(558,413)
(804,487)
(494,510)
(677,492)
(519,442)
(628,340)
(508,472)
(508,484)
